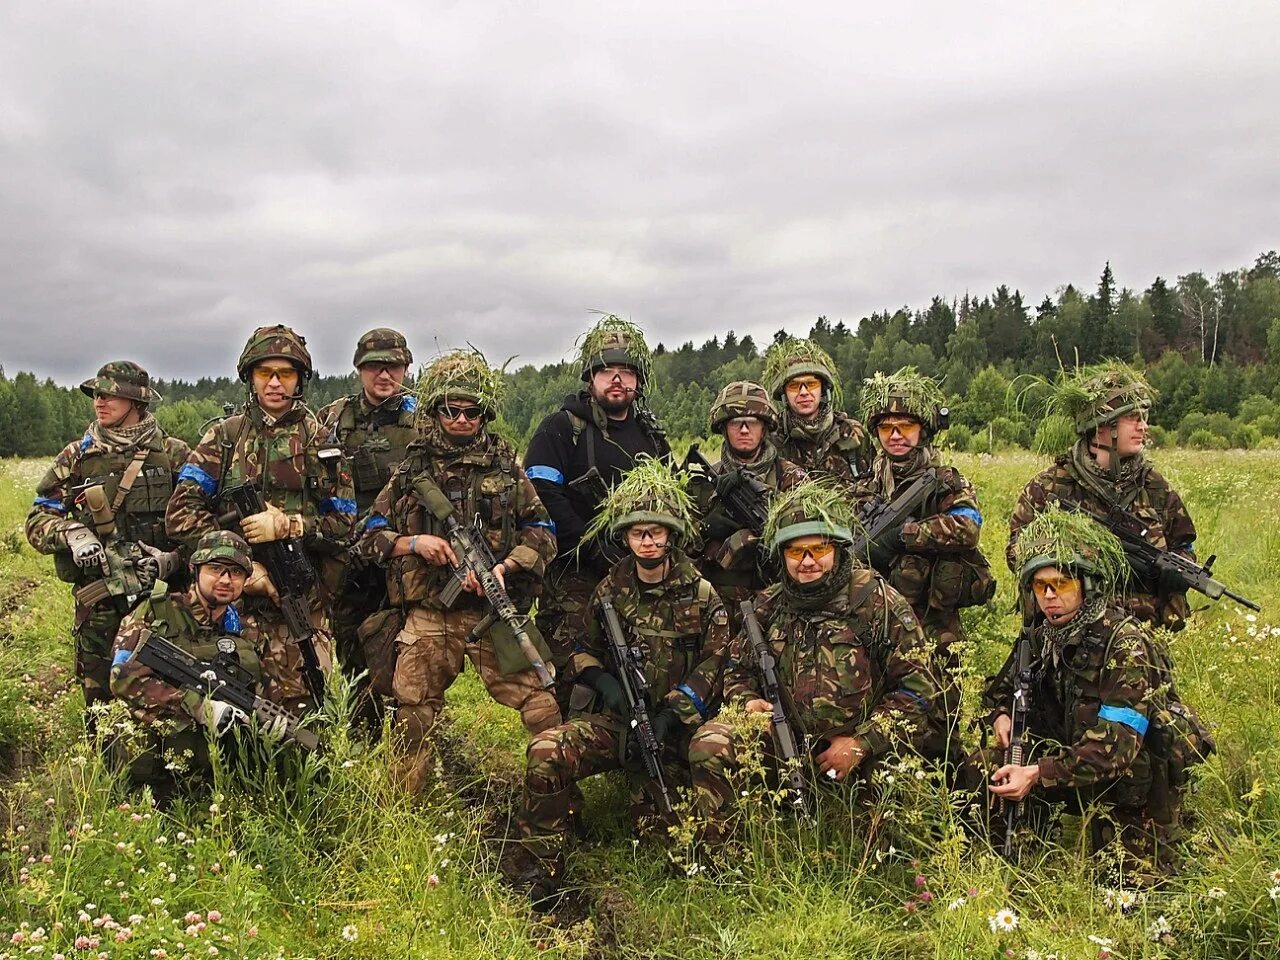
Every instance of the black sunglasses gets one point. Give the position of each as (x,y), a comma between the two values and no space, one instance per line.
(450,412)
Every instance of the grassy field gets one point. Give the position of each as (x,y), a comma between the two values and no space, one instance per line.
(330,861)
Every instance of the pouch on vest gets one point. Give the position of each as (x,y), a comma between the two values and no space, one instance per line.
(506,648)
(377,635)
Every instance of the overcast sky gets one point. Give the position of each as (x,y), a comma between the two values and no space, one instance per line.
(174,174)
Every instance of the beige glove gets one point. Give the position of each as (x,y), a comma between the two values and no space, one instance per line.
(271,524)
(259,584)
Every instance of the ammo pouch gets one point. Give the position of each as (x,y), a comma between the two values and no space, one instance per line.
(1179,740)
(964,581)
(506,648)
(377,635)
(366,472)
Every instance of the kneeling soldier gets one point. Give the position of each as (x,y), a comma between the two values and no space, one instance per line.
(204,622)
(1105,724)
(676,632)
(852,664)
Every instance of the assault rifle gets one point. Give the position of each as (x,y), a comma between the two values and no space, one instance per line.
(1155,567)
(219,679)
(627,666)
(745,497)
(121,581)
(475,556)
(1019,714)
(784,738)
(291,572)
(882,521)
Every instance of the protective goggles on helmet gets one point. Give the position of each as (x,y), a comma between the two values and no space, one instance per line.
(264,373)
(797,384)
(451,412)
(1061,585)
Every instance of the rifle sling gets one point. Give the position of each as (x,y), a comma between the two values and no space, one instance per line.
(127,480)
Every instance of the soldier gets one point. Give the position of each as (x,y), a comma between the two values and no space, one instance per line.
(814,433)
(99,510)
(274,443)
(1106,724)
(678,627)
(937,565)
(853,662)
(731,559)
(580,451)
(373,428)
(1108,405)
(478,471)
(198,620)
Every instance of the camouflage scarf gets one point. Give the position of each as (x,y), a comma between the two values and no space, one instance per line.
(440,442)
(758,467)
(144,433)
(890,472)
(807,597)
(1057,639)
(812,430)
(1120,492)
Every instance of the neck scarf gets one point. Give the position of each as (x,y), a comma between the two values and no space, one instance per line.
(1118,491)
(123,439)
(811,430)
(758,467)
(1057,639)
(890,472)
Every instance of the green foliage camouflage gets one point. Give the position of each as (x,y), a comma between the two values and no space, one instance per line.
(1070,540)
(461,375)
(650,492)
(819,502)
(906,391)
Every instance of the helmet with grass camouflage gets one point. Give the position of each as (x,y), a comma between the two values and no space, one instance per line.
(1071,541)
(650,492)
(742,398)
(382,345)
(816,507)
(906,393)
(225,546)
(1079,401)
(615,342)
(274,343)
(791,358)
(122,378)
(461,375)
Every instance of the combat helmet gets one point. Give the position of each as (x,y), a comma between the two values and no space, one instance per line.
(791,358)
(461,375)
(650,492)
(122,378)
(1081,400)
(382,345)
(223,545)
(815,507)
(275,343)
(907,393)
(1070,540)
(615,341)
(743,398)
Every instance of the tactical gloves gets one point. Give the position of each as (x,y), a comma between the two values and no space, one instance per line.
(608,688)
(86,548)
(271,524)
(156,565)
(219,716)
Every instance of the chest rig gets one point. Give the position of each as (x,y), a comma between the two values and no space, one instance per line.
(375,442)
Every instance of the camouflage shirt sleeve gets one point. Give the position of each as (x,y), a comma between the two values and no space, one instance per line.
(1031,502)
(693,698)
(376,534)
(954,528)
(537,545)
(190,512)
(148,697)
(50,517)
(335,516)
(901,718)
(590,650)
(1111,744)
(1179,530)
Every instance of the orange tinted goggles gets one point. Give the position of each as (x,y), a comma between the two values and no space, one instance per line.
(907,429)
(794,386)
(286,373)
(1061,586)
(819,551)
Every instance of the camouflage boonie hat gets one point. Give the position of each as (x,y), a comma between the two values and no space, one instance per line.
(742,398)
(122,378)
(816,507)
(274,343)
(614,341)
(793,358)
(907,393)
(223,545)
(382,345)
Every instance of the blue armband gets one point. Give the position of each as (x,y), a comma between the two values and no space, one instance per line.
(409,404)
(338,505)
(1126,715)
(921,701)
(545,524)
(199,477)
(231,621)
(121,656)
(969,513)
(51,503)
(549,474)
(694,699)
(376,522)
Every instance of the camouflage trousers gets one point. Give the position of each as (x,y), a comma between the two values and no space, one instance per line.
(281,657)
(94,633)
(558,758)
(431,651)
(1116,809)
(562,609)
(363,593)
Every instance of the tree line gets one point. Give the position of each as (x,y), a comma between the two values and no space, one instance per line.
(1211,346)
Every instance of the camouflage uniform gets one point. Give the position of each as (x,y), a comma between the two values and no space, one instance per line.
(681,627)
(281,458)
(1096,684)
(484,480)
(108,456)
(1144,492)
(855,663)
(374,440)
(172,716)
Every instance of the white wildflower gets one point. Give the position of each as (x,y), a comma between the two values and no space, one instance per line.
(1003,921)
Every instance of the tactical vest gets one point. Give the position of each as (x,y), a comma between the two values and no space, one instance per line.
(682,640)
(169,618)
(140,517)
(297,489)
(374,443)
(1063,485)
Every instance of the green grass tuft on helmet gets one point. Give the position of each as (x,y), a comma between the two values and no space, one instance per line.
(650,492)
(1075,542)
(461,375)
(816,507)
(1079,401)
(907,393)
(615,341)
(792,358)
